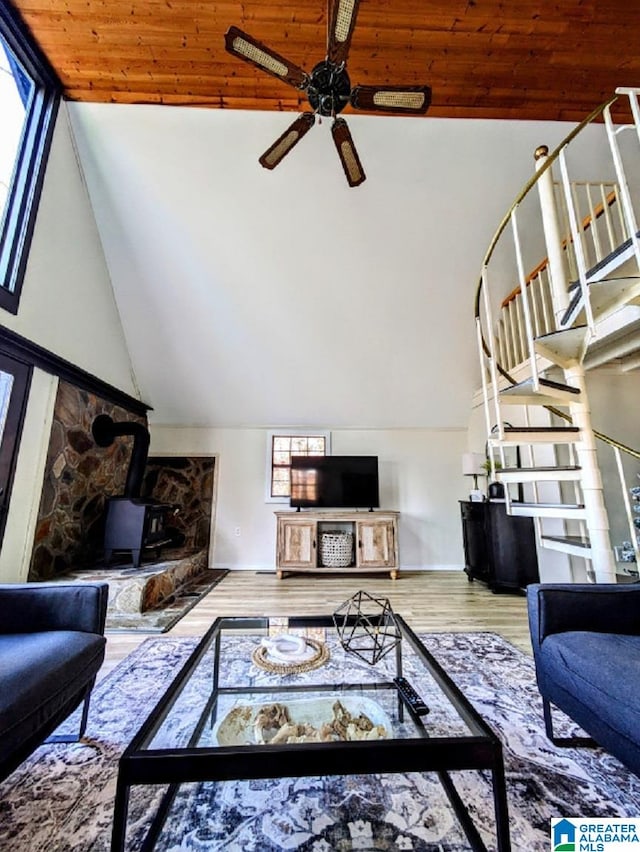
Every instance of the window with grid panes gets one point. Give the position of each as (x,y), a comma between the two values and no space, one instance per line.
(284,445)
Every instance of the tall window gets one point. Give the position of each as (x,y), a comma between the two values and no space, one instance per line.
(283,445)
(29,97)
(15,92)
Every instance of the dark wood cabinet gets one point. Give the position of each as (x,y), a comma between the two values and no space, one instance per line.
(499,549)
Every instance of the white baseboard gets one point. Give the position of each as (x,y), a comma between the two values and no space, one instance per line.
(228,566)
(232,566)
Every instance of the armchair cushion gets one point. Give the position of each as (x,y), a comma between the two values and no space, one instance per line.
(612,696)
(40,675)
(586,647)
(51,648)
(35,607)
(605,608)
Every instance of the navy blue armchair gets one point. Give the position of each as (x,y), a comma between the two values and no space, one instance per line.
(586,647)
(51,647)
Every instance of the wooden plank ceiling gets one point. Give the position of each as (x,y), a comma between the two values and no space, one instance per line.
(523,59)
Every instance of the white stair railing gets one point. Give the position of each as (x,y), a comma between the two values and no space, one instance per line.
(510,327)
(603,226)
(613,132)
(600,229)
(600,216)
(633,533)
(576,239)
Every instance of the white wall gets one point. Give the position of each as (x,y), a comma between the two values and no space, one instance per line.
(420,476)
(284,296)
(67,304)
(614,399)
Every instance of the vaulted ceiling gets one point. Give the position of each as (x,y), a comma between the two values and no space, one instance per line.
(259,298)
(522,59)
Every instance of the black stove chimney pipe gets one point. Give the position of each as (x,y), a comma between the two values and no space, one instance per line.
(105,430)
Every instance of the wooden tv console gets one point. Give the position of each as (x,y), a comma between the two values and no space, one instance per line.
(375,538)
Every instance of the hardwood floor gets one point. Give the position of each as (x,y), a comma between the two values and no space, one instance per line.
(431,601)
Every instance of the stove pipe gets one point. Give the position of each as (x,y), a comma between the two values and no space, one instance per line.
(105,430)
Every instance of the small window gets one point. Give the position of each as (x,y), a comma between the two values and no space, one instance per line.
(29,97)
(283,445)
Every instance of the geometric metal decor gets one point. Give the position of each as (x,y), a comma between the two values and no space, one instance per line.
(367,627)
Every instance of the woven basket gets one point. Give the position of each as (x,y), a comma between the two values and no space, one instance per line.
(336,549)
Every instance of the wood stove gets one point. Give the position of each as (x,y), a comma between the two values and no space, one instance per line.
(132,522)
(135,524)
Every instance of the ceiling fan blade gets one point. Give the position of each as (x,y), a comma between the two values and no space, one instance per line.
(283,144)
(413,99)
(342,20)
(347,152)
(251,50)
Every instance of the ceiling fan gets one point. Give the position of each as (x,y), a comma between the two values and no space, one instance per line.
(328,89)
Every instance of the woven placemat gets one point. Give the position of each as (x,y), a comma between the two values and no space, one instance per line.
(319,658)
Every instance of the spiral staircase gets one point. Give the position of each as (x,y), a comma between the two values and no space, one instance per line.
(577,308)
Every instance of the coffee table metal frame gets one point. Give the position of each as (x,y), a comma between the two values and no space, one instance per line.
(480,750)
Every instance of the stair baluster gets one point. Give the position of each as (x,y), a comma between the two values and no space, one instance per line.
(537,329)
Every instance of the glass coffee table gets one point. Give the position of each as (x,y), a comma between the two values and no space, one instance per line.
(216,720)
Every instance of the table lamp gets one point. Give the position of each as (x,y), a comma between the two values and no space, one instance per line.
(472,466)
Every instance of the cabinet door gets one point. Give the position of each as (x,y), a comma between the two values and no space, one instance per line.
(376,544)
(513,546)
(297,544)
(474,535)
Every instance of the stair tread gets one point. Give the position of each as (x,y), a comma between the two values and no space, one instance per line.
(538,469)
(564,347)
(551,334)
(601,264)
(548,383)
(577,540)
(541,429)
(543,383)
(576,291)
(551,505)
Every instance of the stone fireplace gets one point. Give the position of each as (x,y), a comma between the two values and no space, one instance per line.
(80,476)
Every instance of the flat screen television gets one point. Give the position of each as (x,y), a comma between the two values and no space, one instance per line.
(334,482)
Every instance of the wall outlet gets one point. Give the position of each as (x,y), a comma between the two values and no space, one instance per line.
(236,531)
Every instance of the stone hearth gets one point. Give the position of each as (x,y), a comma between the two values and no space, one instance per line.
(149,587)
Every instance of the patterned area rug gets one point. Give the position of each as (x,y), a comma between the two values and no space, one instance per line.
(62,797)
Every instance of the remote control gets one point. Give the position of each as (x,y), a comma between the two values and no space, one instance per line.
(411,698)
